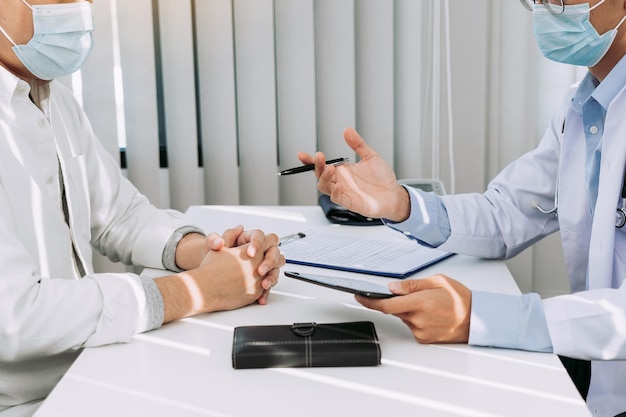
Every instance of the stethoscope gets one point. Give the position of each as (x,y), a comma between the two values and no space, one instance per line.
(620,214)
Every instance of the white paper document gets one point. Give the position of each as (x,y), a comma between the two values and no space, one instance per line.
(340,251)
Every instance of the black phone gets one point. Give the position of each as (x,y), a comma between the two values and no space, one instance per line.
(354,286)
(340,215)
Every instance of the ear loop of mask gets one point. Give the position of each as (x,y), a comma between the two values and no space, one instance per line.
(620,22)
(6,35)
(4,32)
(590,9)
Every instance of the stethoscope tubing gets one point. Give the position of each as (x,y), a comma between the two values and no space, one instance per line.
(620,214)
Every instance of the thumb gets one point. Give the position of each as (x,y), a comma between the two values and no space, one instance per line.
(409,286)
(358,145)
(214,242)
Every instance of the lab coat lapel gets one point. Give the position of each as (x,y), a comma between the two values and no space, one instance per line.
(601,250)
(573,208)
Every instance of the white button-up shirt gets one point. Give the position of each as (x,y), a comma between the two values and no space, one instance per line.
(47,311)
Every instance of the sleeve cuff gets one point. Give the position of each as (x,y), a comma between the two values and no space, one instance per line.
(152,316)
(169,252)
(428,222)
(509,321)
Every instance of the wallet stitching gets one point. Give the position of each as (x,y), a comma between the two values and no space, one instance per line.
(307,351)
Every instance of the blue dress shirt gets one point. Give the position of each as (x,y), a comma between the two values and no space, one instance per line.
(518,321)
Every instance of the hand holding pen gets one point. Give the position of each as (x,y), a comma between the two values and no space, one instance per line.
(311,167)
(368,187)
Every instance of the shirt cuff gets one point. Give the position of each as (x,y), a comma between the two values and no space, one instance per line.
(169,252)
(509,321)
(428,222)
(154,311)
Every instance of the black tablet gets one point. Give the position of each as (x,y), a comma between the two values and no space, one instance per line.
(354,286)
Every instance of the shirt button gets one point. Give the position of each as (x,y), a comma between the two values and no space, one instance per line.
(42,122)
(50,179)
(593,130)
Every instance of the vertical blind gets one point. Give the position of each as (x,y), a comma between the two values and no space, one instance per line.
(235,88)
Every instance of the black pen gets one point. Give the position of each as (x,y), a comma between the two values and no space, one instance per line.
(311,167)
(289,238)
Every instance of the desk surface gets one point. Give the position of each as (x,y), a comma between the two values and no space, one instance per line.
(184,368)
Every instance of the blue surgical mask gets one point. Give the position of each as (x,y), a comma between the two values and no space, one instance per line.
(61,42)
(569,37)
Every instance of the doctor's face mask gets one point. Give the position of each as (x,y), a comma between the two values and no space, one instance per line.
(61,42)
(569,37)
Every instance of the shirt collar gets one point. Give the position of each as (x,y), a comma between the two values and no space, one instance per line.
(12,86)
(8,84)
(603,92)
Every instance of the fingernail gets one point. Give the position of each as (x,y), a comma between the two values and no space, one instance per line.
(394,286)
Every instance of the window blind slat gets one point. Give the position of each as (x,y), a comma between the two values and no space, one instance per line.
(218,111)
(295,74)
(97,79)
(256,100)
(179,102)
(335,66)
(136,36)
(375,75)
(408,94)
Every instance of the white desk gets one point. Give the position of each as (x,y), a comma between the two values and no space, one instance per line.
(184,368)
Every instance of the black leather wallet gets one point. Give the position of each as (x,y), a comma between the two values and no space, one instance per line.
(306,345)
(340,215)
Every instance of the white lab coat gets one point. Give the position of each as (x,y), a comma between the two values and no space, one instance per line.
(590,324)
(47,314)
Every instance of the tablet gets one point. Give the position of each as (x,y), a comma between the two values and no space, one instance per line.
(354,286)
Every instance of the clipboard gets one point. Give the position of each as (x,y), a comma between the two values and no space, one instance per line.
(367,255)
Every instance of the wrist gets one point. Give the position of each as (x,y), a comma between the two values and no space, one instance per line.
(184,295)
(190,251)
(401,209)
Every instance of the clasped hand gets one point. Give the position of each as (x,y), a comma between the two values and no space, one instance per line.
(254,242)
(221,272)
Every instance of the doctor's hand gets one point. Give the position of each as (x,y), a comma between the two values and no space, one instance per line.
(436,309)
(368,187)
